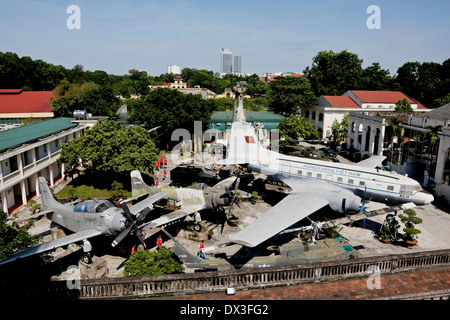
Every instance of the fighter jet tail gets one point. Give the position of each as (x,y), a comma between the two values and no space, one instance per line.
(139,187)
(181,252)
(48,202)
(243,145)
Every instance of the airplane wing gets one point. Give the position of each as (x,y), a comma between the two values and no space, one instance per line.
(170,217)
(293,208)
(138,207)
(51,245)
(371,162)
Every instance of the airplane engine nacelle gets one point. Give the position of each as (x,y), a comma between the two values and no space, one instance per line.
(345,202)
(216,200)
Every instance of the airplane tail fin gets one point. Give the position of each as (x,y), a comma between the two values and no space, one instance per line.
(243,145)
(48,201)
(139,187)
(181,252)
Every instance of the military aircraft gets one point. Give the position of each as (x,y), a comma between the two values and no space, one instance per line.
(294,252)
(88,219)
(193,199)
(314,183)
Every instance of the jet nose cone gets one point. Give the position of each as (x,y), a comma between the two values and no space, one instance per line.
(425,197)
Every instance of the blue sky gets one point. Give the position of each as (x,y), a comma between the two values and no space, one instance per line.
(271,36)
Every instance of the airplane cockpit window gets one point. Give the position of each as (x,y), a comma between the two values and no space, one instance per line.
(93,206)
(103,206)
(199,186)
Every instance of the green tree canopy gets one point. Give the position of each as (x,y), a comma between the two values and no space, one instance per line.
(334,73)
(287,94)
(170,110)
(152,263)
(89,96)
(111,147)
(403,106)
(13,238)
(294,127)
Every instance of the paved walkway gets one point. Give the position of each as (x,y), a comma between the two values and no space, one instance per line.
(398,286)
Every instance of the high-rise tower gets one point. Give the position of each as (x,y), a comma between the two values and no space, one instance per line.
(226,61)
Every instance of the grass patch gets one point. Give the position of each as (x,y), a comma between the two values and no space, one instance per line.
(89,187)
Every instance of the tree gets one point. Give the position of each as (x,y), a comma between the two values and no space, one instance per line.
(287,94)
(13,238)
(410,219)
(339,130)
(109,148)
(151,263)
(89,96)
(403,105)
(335,73)
(294,127)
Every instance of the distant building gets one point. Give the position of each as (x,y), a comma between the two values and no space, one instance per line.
(31,151)
(226,61)
(174,69)
(183,87)
(18,106)
(269,77)
(237,64)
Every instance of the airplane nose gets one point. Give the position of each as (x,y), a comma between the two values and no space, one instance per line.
(425,197)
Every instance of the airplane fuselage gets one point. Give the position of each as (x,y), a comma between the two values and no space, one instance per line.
(99,215)
(383,186)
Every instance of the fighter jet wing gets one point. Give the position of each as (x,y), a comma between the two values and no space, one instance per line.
(51,245)
(138,207)
(293,208)
(170,217)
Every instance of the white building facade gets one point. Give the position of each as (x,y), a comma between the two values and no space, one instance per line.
(22,162)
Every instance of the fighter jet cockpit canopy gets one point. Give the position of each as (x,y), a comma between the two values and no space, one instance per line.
(93,206)
(199,186)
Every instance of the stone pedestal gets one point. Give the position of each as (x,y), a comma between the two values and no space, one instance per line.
(96,270)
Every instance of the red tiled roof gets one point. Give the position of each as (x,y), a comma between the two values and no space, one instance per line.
(381,96)
(341,102)
(19,101)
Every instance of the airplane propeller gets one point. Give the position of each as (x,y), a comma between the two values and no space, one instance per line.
(133,224)
(233,200)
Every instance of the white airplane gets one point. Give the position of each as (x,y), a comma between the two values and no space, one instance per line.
(315,184)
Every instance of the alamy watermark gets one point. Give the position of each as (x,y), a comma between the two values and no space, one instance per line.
(374,280)
(374,20)
(73,22)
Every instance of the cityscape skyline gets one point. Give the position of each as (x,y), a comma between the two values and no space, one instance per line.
(278,36)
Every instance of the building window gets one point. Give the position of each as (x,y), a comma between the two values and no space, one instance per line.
(339,179)
(313,117)
(350,181)
(362,183)
(321,117)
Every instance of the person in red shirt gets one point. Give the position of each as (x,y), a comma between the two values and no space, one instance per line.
(159,242)
(200,251)
(157,182)
(161,161)
(157,165)
(165,162)
(165,173)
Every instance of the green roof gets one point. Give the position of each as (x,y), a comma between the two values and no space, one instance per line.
(219,119)
(251,116)
(32,132)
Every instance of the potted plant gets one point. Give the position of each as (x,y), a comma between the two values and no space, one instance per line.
(385,234)
(410,219)
(255,197)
